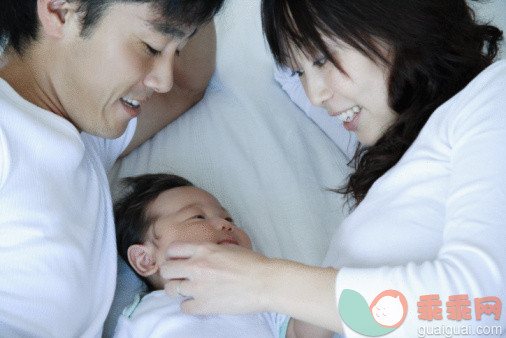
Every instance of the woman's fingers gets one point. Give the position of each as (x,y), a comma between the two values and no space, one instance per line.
(215,277)
(180,257)
(175,269)
(187,249)
(193,307)
(177,288)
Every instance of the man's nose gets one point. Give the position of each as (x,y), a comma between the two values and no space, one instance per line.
(161,76)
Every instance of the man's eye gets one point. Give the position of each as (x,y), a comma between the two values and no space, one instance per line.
(152,51)
(178,52)
(320,62)
(229,219)
(199,217)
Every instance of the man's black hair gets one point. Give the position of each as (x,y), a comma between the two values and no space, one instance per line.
(19,23)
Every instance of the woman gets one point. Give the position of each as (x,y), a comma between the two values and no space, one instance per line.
(415,80)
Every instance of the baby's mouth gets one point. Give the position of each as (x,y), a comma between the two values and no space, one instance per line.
(228,241)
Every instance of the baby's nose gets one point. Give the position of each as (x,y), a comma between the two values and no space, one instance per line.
(222,224)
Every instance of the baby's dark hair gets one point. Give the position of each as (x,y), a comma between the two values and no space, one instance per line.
(130,211)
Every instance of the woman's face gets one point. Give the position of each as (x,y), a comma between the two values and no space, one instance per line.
(358,97)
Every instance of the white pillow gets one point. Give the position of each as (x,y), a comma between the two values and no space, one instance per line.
(251,147)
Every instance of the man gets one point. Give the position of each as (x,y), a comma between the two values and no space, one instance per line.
(83,81)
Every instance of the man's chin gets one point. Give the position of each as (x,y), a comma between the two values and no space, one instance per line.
(108,132)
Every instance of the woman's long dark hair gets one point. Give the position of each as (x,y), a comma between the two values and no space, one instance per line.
(437,48)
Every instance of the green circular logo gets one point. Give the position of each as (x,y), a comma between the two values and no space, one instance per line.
(385,314)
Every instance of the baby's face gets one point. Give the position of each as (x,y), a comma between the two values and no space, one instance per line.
(191,214)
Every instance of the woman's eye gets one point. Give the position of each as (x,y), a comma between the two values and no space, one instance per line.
(229,219)
(199,217)
(320,62)
(298,72)
(152,51)
(178,52)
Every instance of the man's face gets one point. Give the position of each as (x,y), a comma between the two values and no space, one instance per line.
(103,79)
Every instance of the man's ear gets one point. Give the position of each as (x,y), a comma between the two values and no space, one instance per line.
(141,259)
(53,14)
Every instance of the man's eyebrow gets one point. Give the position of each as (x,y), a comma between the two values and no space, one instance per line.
(194,32)
(166,28)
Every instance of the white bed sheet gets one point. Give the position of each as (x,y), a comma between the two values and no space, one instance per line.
(249,145)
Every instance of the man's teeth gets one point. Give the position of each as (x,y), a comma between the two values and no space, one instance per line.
(131,103)
(348,115)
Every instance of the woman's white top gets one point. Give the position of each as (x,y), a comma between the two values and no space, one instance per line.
(435,223)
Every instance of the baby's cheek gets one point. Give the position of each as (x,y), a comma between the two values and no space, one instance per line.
(244,240)
(197,233)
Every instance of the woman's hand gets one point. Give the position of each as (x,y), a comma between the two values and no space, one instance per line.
(235,280)
(220,278)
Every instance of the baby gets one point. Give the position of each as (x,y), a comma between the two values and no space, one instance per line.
(160,209)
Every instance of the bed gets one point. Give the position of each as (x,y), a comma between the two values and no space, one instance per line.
(250,145)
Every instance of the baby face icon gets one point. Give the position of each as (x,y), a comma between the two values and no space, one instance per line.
(389,308)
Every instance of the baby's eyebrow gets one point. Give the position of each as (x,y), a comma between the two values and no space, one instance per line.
(200,207)
(186,207)
(226,211)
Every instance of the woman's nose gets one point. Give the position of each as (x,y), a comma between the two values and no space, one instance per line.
(317,89)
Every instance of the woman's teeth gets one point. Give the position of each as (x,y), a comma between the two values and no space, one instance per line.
(130,102)
(349,114)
